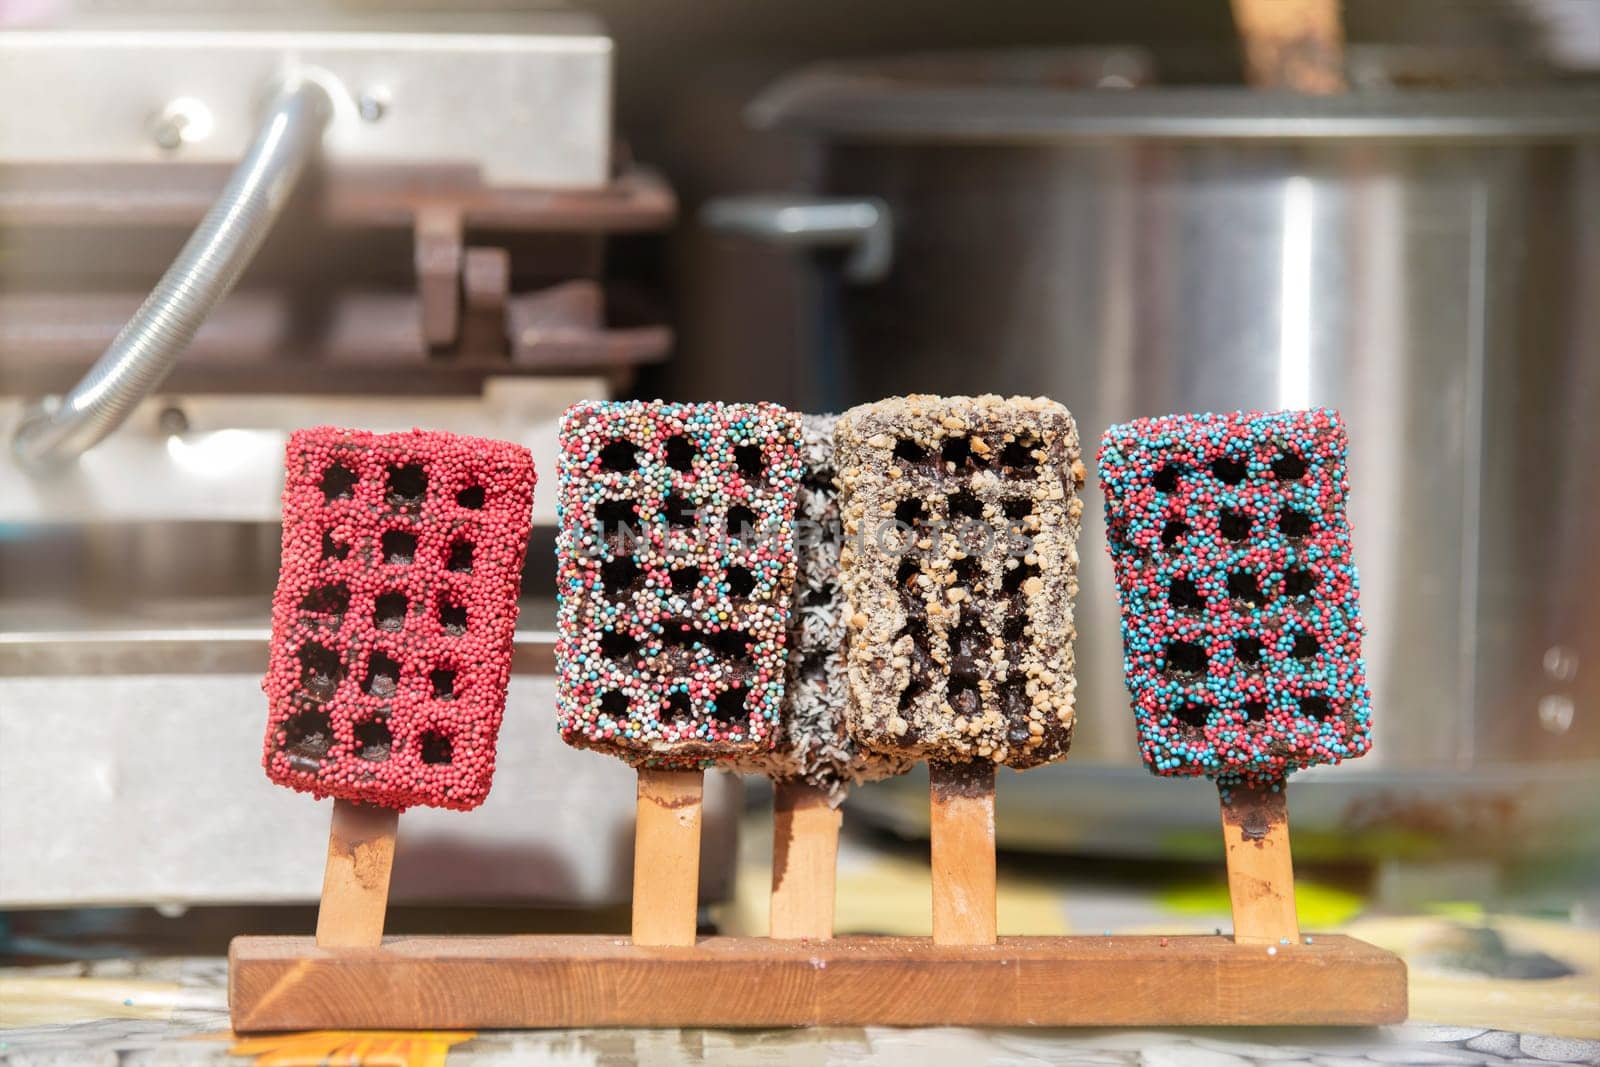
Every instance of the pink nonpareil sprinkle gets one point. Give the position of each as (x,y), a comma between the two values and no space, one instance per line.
(394,614)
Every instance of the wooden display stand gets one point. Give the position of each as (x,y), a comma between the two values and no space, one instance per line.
(664,976)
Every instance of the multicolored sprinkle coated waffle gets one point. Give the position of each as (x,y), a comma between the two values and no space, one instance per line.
(676,565)
(1240,619)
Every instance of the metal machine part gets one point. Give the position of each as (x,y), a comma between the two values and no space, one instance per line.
(861,227)
(445,265)
(219,458)
(526,100)
(60,429)
(454,249)
(1423,261)
(215,69)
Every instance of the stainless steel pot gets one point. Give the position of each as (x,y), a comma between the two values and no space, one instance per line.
(1427,262)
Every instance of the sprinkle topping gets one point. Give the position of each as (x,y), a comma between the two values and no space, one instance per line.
(389,660)
(960,564)
(1240,617)
(675,564)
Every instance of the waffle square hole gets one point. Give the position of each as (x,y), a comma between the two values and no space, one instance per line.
(374,741)
(964,505)
(911,512)
(908,451)
(968,571)
(1288,467)
(1234,524)
(741,583)
(399,547)
(1015,705)
(307,736)
(619,456)
(408,486)
(1017,576)
(1184,595)
(969,650)
(1015,629)
(442,680)
(1242,585)
(471,498)
(1292,523)
(680,453)
(614,516)
(1299,582)
(383,676)
(453,617)
(741,522)
(1017,457)
(963,696)
(460,559)
(732,644)
(730,705)
(615,644)
(957,452)
(1185,657)
(1229,471)
(338,483)
(321,670)
(389,612)
(332,549)
(1316,707)
(750,462)
(618,575)
(685,580)
(437,748)
(1305,647)
(332,600)
(678,510)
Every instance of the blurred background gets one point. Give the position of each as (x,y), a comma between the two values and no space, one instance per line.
(1387,206)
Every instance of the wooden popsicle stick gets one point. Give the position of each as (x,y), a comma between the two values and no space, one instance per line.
(1292,44)
(961,829)
(1255,830)
(805,855)
(355,884)
(666,857)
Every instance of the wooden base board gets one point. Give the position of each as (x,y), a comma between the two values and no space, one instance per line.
(450,983)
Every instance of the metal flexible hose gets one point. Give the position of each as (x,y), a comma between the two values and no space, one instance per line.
(56,431)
